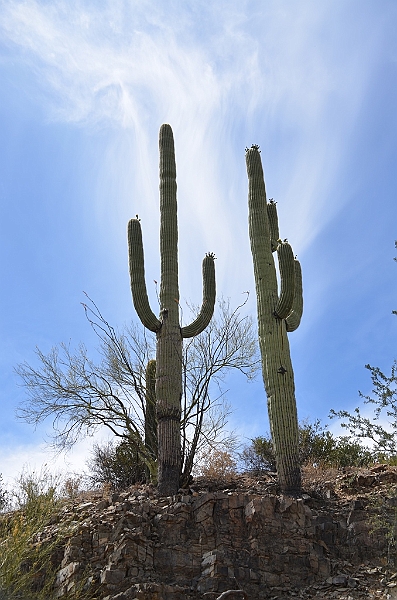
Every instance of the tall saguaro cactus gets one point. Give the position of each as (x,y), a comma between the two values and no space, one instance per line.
(167,327)
(277,314)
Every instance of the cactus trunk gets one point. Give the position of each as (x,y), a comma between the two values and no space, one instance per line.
(168,330)
(169,337)
(274,314)
(150,418)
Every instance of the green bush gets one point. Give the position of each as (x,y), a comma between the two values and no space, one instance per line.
(118,465)
(259,456)
(317,445)
(383,521)
(3,494)
(348,453)
(26,569)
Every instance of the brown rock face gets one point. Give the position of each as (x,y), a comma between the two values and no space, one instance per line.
(239,542)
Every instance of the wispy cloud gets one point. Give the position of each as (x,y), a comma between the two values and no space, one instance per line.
(288,76)
(33,456)
(285,76)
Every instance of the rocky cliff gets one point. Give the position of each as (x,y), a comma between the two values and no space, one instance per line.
(212,538)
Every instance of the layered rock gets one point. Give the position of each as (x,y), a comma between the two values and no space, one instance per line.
(195,546)
(199,544)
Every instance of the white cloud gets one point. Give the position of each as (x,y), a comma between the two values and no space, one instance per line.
(14,458)
(290,76)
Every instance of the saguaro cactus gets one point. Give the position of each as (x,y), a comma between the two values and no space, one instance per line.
(277,314)
(167,327)
(150,410)
(151,445)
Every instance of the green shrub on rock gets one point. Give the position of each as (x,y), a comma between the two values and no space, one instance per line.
(118,465)
(26,567)
(317,446)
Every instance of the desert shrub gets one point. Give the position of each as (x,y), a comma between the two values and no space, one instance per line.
(3,494)
(259,456)
(349,453)
(383,401)
(383,520)
(118,465)
(216,464)
(388,459)
(72,486)
(315,442)
(26,569)
(317,445)
(36,491)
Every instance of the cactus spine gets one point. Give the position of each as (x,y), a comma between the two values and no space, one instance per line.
(167,328)
(277,314)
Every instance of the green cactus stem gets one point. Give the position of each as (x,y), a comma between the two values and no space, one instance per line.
(293,320)
(277,314)
(207,307)
(167,328)
(273,222)
(150,410)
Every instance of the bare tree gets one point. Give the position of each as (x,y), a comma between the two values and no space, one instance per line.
(81,395)
(380,428)
(227,343)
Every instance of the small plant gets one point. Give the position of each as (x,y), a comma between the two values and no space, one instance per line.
(3,494)
(216,464)
(259,456)
(72,486)
(383,520)
(26,569)
(118,465)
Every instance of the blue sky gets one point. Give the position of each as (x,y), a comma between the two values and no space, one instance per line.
(85,88)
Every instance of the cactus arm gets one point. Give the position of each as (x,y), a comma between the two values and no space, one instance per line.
(207,307)
(294,318)
(273,223)
(287,276)
(137,276)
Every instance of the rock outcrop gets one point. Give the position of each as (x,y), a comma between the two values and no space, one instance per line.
(200,543)
(242,541)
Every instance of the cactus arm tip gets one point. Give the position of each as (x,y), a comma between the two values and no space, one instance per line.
(165,129)
(209,294)
(254,164)
(137,277)
(167,151)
